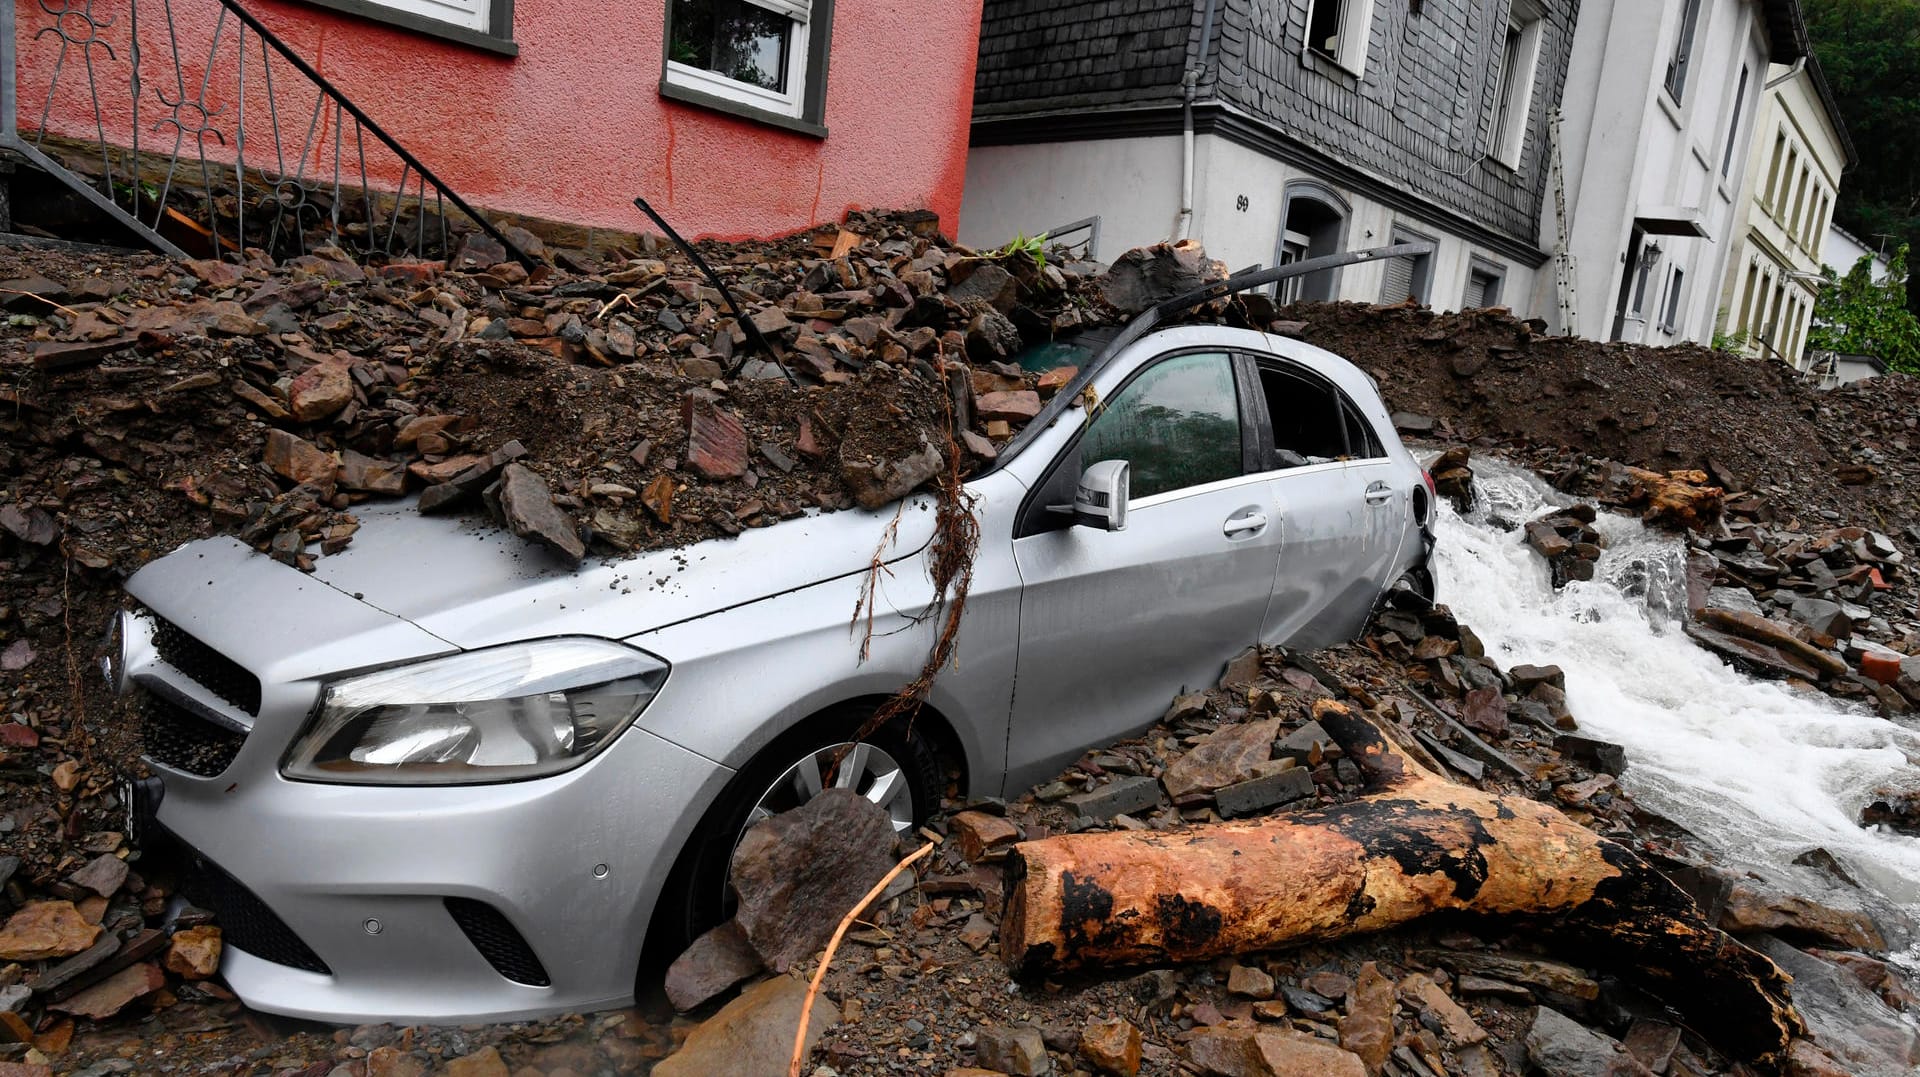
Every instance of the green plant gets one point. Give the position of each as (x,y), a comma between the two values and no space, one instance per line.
(1729,342)
(1034,247)
(1857,315)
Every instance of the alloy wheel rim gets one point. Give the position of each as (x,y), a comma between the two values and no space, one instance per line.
(869,771)
(864,769)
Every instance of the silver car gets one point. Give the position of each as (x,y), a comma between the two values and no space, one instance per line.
(446,778)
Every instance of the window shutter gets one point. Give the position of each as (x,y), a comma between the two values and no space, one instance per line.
(1398,287)
(1476,292)
(797,10)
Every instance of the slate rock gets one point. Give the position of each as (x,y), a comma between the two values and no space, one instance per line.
(114,993)
(102,875)
(877,483)
(753,1034)
(1849,1021)
(526,505)
(1223,757)
(1754,906)
(716,961)
(717,444)
(982,836)
(1018,1051)
(1146,276)
(30,525)
(1600,756)
(1367,1029)
(1824,617)
(298,460)
(1112,1045)
(194,953)
(321,391)
(1122,796)
(1016,406)
(1266,791)
(46,929)
(799,872)
(486,1062)
(988,283)
(1300,1054)
(1558,1047)
(1305,745)
(1485,710)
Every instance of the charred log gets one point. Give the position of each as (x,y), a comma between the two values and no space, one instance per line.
(1416,844)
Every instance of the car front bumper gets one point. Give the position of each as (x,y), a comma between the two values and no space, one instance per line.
(364,904)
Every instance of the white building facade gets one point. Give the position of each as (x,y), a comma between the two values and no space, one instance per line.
(1658,124)
(1276,130)
(1843,250)
(1800,150)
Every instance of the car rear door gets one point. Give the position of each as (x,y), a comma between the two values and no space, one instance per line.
(1335,508)
(1113,624)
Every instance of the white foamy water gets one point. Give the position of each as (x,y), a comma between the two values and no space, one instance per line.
(1761,771)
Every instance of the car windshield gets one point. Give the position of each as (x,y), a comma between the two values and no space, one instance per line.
(1075,350)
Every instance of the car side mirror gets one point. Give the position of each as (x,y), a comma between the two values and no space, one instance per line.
(1101,498)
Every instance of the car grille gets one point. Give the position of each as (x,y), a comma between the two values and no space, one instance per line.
(212,670)
(176,737)
(503,947)
(246,923)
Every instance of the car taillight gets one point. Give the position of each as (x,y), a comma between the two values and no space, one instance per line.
(1424,511)
(1427,477)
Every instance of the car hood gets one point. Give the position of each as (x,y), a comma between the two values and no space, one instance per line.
(475,585)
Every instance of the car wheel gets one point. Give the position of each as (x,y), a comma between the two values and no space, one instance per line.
(1419,581)
(894,767)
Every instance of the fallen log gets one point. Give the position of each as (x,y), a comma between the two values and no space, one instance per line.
(1416,844)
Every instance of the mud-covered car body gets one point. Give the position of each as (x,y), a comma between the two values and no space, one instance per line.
(1270,500)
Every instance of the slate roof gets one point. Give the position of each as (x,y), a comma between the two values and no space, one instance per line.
(1059,54)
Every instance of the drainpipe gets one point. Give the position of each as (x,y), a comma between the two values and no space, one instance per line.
(1191,83)
(1798,65)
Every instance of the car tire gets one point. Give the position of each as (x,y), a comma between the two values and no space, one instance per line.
(697,897)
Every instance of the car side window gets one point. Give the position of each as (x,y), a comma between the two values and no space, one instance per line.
(1362,442)
(1312,422)
(1305,413)
(1177,424)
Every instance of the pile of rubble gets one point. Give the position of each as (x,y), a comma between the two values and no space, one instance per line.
(1755,426)
(100,939)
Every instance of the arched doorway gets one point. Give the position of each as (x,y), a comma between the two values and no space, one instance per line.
(1314,222)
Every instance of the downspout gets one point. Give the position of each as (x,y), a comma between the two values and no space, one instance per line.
(1191,85)
(1798,66)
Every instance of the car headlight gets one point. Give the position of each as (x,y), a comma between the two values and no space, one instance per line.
(522,711)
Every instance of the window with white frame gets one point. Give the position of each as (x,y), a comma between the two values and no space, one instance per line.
(1513,97)
(1670,313)
(1338,30)
(1682,58)
(486,23)
(761,57)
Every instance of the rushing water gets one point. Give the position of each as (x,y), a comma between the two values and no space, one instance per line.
(1761,771)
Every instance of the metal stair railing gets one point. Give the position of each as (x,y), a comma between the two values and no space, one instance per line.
(251,149)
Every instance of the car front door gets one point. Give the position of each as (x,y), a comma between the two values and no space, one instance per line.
(1113,624)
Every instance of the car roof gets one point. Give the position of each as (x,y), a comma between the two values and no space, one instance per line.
(1336,369)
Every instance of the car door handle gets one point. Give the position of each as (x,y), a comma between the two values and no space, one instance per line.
(1379,493)
(1245,523)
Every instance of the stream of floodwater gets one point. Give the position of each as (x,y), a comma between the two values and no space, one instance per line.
(1761,771)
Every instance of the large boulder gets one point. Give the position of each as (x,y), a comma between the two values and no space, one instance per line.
(1146,276)
(800,872)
